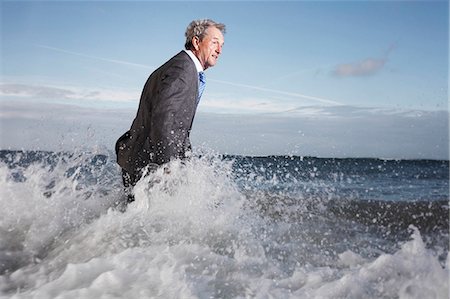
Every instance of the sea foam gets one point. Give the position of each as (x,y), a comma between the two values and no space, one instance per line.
(193,233)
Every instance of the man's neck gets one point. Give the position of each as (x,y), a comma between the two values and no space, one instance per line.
(196,61)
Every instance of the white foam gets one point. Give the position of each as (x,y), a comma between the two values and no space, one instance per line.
(35,218)
(187,235)
(411,272)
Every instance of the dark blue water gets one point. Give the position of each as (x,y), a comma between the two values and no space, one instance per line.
(359,179)
(386,196)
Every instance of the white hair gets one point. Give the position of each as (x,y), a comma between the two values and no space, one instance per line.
(198,28)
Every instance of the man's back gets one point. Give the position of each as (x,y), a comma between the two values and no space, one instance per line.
(161,128)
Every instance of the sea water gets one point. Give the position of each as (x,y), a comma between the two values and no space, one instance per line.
(223,227)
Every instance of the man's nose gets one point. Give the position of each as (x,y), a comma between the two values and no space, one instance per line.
(219,49)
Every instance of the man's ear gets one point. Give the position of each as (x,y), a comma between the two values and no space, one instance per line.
(196,42)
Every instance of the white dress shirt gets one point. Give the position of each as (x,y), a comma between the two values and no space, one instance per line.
(194,58)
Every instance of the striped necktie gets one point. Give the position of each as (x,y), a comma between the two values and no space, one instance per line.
(201,85)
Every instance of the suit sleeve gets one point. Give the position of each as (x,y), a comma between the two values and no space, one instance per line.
(172,115)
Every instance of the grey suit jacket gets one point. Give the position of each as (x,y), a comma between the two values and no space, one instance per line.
(160,131)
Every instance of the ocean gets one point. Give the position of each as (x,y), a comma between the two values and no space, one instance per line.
(222,226)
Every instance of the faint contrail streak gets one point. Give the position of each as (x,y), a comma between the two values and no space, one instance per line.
(321,100)
(95,57)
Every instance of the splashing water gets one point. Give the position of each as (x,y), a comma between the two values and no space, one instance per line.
(202,231)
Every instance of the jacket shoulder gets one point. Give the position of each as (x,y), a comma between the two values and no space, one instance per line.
(180,61)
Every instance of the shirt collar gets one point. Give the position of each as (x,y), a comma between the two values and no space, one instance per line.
(194,58)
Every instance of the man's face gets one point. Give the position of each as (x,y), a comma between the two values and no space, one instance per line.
(209,49)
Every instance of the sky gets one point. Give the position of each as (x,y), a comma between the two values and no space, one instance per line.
(322,78)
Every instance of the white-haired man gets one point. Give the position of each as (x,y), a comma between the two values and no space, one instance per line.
(160,130)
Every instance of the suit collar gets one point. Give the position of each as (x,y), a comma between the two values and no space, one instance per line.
(194,58)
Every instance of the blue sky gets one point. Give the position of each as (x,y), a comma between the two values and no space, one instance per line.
(306,78)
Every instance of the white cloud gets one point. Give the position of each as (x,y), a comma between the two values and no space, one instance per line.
(44,126)
(366,67)
(23,90)
(48,92)
(329,132)
(245,105)
(338,131)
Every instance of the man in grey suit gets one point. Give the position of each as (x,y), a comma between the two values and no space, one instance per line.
(160,131)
